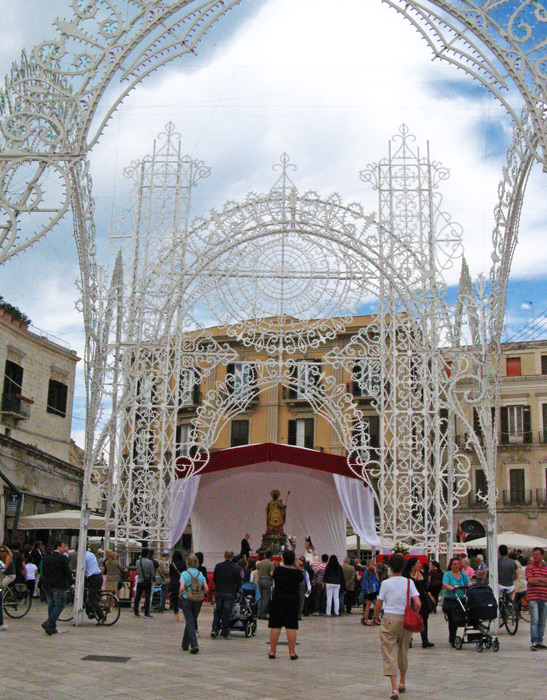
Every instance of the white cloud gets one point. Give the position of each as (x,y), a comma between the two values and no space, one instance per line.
(328,83)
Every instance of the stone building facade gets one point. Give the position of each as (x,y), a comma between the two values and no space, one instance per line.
(285,418)
(522,451)
(37,456)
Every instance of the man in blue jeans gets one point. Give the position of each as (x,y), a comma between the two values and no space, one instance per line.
(56,578)
(227,579)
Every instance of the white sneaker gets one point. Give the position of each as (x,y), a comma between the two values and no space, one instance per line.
(3,628)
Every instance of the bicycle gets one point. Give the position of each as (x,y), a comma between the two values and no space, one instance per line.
(108,609)
(523,609)
(16,599)
(508,614)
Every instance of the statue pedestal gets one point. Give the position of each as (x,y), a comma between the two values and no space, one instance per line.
(274,542)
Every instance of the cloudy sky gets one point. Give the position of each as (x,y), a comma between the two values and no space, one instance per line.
(328,83)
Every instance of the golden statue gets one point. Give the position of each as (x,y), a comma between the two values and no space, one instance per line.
(276,512)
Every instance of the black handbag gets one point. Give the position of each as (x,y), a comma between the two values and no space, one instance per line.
(430,603)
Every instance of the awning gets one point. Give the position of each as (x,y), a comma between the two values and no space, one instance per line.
(60,520)
(514,540)
(273,453)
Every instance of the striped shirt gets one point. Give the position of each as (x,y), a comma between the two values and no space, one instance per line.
(536,591)
(319,573)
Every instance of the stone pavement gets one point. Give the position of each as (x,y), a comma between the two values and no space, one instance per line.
(339,660)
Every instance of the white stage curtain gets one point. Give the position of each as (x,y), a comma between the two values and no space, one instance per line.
(358,504)
(184,494)
(232,502)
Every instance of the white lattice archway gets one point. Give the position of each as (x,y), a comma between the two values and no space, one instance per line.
(49,109)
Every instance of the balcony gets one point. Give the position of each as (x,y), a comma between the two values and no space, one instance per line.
(541,498)
(16,407)
(517,497)
(291,397)
(522,437)
(192,402)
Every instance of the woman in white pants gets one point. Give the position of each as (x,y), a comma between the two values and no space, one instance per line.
(334,578)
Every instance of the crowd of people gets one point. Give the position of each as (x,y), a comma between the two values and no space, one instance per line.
(288,590)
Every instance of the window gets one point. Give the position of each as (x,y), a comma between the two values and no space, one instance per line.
(13,378)
(183,437)
(366,378)
(145,392)
(481,485)
(143,446)
(241,379)
(544,423)
(544,364)
(301,432)
(516,485)
(306,375)
(477,427)
(13,385)
(57,398)
(240,433)
(189,388)
(372,429)
(515,424)
(513,367)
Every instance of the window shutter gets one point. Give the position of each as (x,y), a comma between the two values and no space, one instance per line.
(513,367)
(481,485)
(477,424)
(230,371)
(504,424)
(13,378)
(292,391)
(374,430)
(253,381)
(357,373)
(291,439)
(526,425)
(308,433)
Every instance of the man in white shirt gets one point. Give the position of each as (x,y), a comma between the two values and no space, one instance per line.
(93,582)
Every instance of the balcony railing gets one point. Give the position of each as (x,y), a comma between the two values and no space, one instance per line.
(522,437)
(15,405)
(541,498)
(517,497)
(543,436)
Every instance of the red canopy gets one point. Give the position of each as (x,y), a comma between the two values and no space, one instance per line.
(233,457)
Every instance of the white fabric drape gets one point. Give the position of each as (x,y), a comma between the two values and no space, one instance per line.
(358,505)
(232,502)
(184,495)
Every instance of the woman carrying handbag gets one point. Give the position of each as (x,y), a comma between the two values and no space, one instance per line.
(399,599)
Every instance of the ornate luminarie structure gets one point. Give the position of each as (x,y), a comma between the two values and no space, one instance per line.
(282,273)
(49,121)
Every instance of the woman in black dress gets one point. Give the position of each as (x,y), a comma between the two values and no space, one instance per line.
(284,604)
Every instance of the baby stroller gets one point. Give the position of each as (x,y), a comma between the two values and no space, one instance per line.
(477,615)
(155,601)
(245,609)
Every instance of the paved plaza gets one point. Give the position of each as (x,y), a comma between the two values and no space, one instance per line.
(339,660)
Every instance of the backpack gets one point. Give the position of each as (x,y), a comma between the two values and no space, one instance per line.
(195,592)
